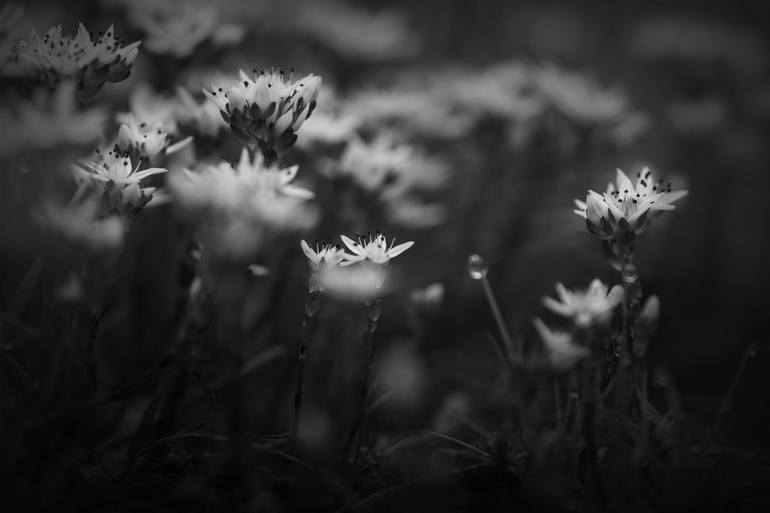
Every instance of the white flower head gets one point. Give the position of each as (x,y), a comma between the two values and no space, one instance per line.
(372,248)
(586,307)
(627,208)
(267,108)
(91,59)
(561,350)
(204,117)
(111,170)
(321,257)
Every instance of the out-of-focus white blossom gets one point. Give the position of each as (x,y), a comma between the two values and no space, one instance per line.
(178,27)
(83,225)
(407,109)
(354,32)
(561,350)
(90,59)
(692,40)
(204,117)
(586,308)
(579,97)
(354,283)
(236,207)
(151,109)
(626,207)
(47,121)
(321,257)
(390,169)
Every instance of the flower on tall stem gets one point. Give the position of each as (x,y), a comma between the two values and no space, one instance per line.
(626,209)
(586,308)
(267,109)
(322,257)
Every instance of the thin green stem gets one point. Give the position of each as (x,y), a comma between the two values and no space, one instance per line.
(507,344)
(301,357)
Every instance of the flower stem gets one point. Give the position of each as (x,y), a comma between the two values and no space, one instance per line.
(728,398)
(310,310)
(507,344)
(374,308)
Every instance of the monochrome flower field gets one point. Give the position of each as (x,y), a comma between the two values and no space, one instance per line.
(340,256)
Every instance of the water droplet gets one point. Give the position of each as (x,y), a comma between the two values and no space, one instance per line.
(477,267)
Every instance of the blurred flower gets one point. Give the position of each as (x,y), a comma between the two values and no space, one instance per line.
(353,32)
(561,351)
(650,311)
(624,208)
(268,109)
(204,117)
(585,102)
(90,60)
(111,171)
(236,207)
(177,28)
(700,41)
(147,142)
(81,224)
(428,298)
(389,168)
(49,120)
(586,307)
(151,109)
(372,249)
(500,91)
(408,109)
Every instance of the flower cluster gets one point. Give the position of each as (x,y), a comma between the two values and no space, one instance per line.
(142,141)
(110,171)
(625,209)
(268,109)
(89,59)
(331,264)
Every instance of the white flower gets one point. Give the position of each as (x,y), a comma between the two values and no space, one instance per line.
(268,108)
(562,352)
(626,207)
(586,307)
(372,249)
(324,255)
(92,60)
(112,171)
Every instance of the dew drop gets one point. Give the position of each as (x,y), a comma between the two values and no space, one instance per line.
(477,267)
